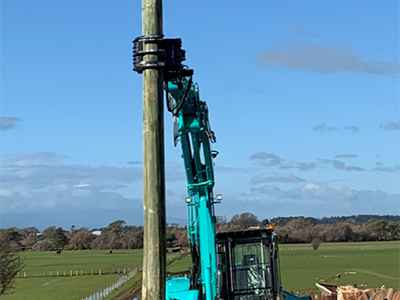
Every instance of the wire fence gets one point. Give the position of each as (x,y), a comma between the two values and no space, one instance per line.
(81,272)
(116,285)
(341,248)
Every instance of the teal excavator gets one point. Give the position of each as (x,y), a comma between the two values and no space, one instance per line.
(241,265)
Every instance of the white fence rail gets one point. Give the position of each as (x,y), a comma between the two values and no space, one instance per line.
(66,273)
(108,290)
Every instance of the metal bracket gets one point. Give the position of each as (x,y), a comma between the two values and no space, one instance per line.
(139,52)
(168,51)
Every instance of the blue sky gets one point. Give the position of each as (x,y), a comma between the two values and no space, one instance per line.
(303,98)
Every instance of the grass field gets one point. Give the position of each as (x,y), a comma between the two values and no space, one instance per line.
(80,260)
(365,264)
(371,264)
(70,287)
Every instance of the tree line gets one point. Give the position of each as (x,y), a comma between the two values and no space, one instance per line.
(119,235)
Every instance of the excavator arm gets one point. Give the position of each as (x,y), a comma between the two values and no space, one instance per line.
(192,129)
(240,265)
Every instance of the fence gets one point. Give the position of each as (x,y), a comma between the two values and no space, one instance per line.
(66,273)
(334,248)
(108,290)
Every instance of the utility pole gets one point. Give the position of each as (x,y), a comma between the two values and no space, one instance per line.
(154,248)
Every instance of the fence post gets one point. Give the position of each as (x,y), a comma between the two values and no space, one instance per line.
(70,272)
(99,271)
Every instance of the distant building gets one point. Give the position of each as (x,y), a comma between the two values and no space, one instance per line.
(96,232)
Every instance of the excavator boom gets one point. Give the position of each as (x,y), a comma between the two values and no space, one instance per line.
(227,266)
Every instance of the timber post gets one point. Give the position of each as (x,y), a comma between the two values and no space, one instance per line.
(154,248)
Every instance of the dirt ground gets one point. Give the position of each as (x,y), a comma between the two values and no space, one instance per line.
(131,293)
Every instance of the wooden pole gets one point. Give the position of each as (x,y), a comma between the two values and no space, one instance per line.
(154,257)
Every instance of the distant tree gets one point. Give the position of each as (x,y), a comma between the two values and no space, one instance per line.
(220,220)
(73,229)
(281,221)
(300,230)
(264,222)
(359,234)
(244,220)
(47,233)
(182,237)
(10,264)
(377,229)
(81,240)
(315,243)
(43,245)
(99,243)
(338,232)
(393,230)
(11,237)
(59,238)
(132,239)
(29,241)
(29,231)
(115,228)
(171,237)
(311,221)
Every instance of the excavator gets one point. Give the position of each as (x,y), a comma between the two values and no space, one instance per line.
(241,265)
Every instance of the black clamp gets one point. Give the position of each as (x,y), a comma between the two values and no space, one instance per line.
(169,54)
(139,52)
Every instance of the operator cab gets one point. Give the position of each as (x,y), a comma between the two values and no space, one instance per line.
(247,263)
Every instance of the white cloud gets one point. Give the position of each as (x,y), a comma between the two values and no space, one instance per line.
(40,182)
(267,159)
(275,177)
(346,155)
(390,126)
(309,199)
(339,165)
(352,128)
(8,123)
(322,58)
(301,166)
(382,168)
(324,128)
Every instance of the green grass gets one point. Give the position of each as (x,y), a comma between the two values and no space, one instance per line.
(370,264)
(374,263)
(180,265)
(65,288)
(75,287)
(42,261)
